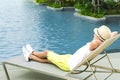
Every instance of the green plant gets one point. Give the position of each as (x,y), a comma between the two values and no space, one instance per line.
(88,5)
(106,7)
(41,1)
(55,5)
(79,6)
(89,12)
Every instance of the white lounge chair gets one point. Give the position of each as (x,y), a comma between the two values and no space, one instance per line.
(52,70)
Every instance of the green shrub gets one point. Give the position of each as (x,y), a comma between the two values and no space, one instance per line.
(79,6)
(54,5)
(92,14)
(108,7)
(41,1)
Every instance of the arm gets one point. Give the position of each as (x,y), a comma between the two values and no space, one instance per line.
(114,33)
(94,44)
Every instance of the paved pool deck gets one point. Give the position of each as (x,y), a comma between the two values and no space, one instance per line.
(17,73)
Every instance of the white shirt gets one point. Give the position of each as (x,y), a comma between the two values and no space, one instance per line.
(79,55)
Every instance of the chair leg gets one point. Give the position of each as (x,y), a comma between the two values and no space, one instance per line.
(111,69)
(108,76)
(93,71)
(88,76)
(110,65)
(6,71)
(109,61)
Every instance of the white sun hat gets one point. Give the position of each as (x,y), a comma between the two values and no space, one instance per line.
(103,32)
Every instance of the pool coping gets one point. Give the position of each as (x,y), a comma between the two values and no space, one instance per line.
(89,17)
(56,9)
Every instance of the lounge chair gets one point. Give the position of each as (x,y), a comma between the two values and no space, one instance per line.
(58,74)
(88,60)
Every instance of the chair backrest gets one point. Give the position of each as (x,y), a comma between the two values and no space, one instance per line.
(97,51)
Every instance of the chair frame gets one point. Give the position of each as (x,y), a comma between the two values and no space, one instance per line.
(88,64)
(110,70)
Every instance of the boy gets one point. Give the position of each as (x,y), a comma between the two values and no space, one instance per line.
(67,62)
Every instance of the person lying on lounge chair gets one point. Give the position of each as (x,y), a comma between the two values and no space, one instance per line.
(68,61)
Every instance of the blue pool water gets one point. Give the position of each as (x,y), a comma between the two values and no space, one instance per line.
(22,22)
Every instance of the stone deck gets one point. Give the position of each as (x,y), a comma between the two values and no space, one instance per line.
(17,73)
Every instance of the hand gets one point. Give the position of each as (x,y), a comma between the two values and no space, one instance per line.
(114,33)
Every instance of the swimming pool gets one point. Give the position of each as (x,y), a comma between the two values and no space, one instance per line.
(22,22)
